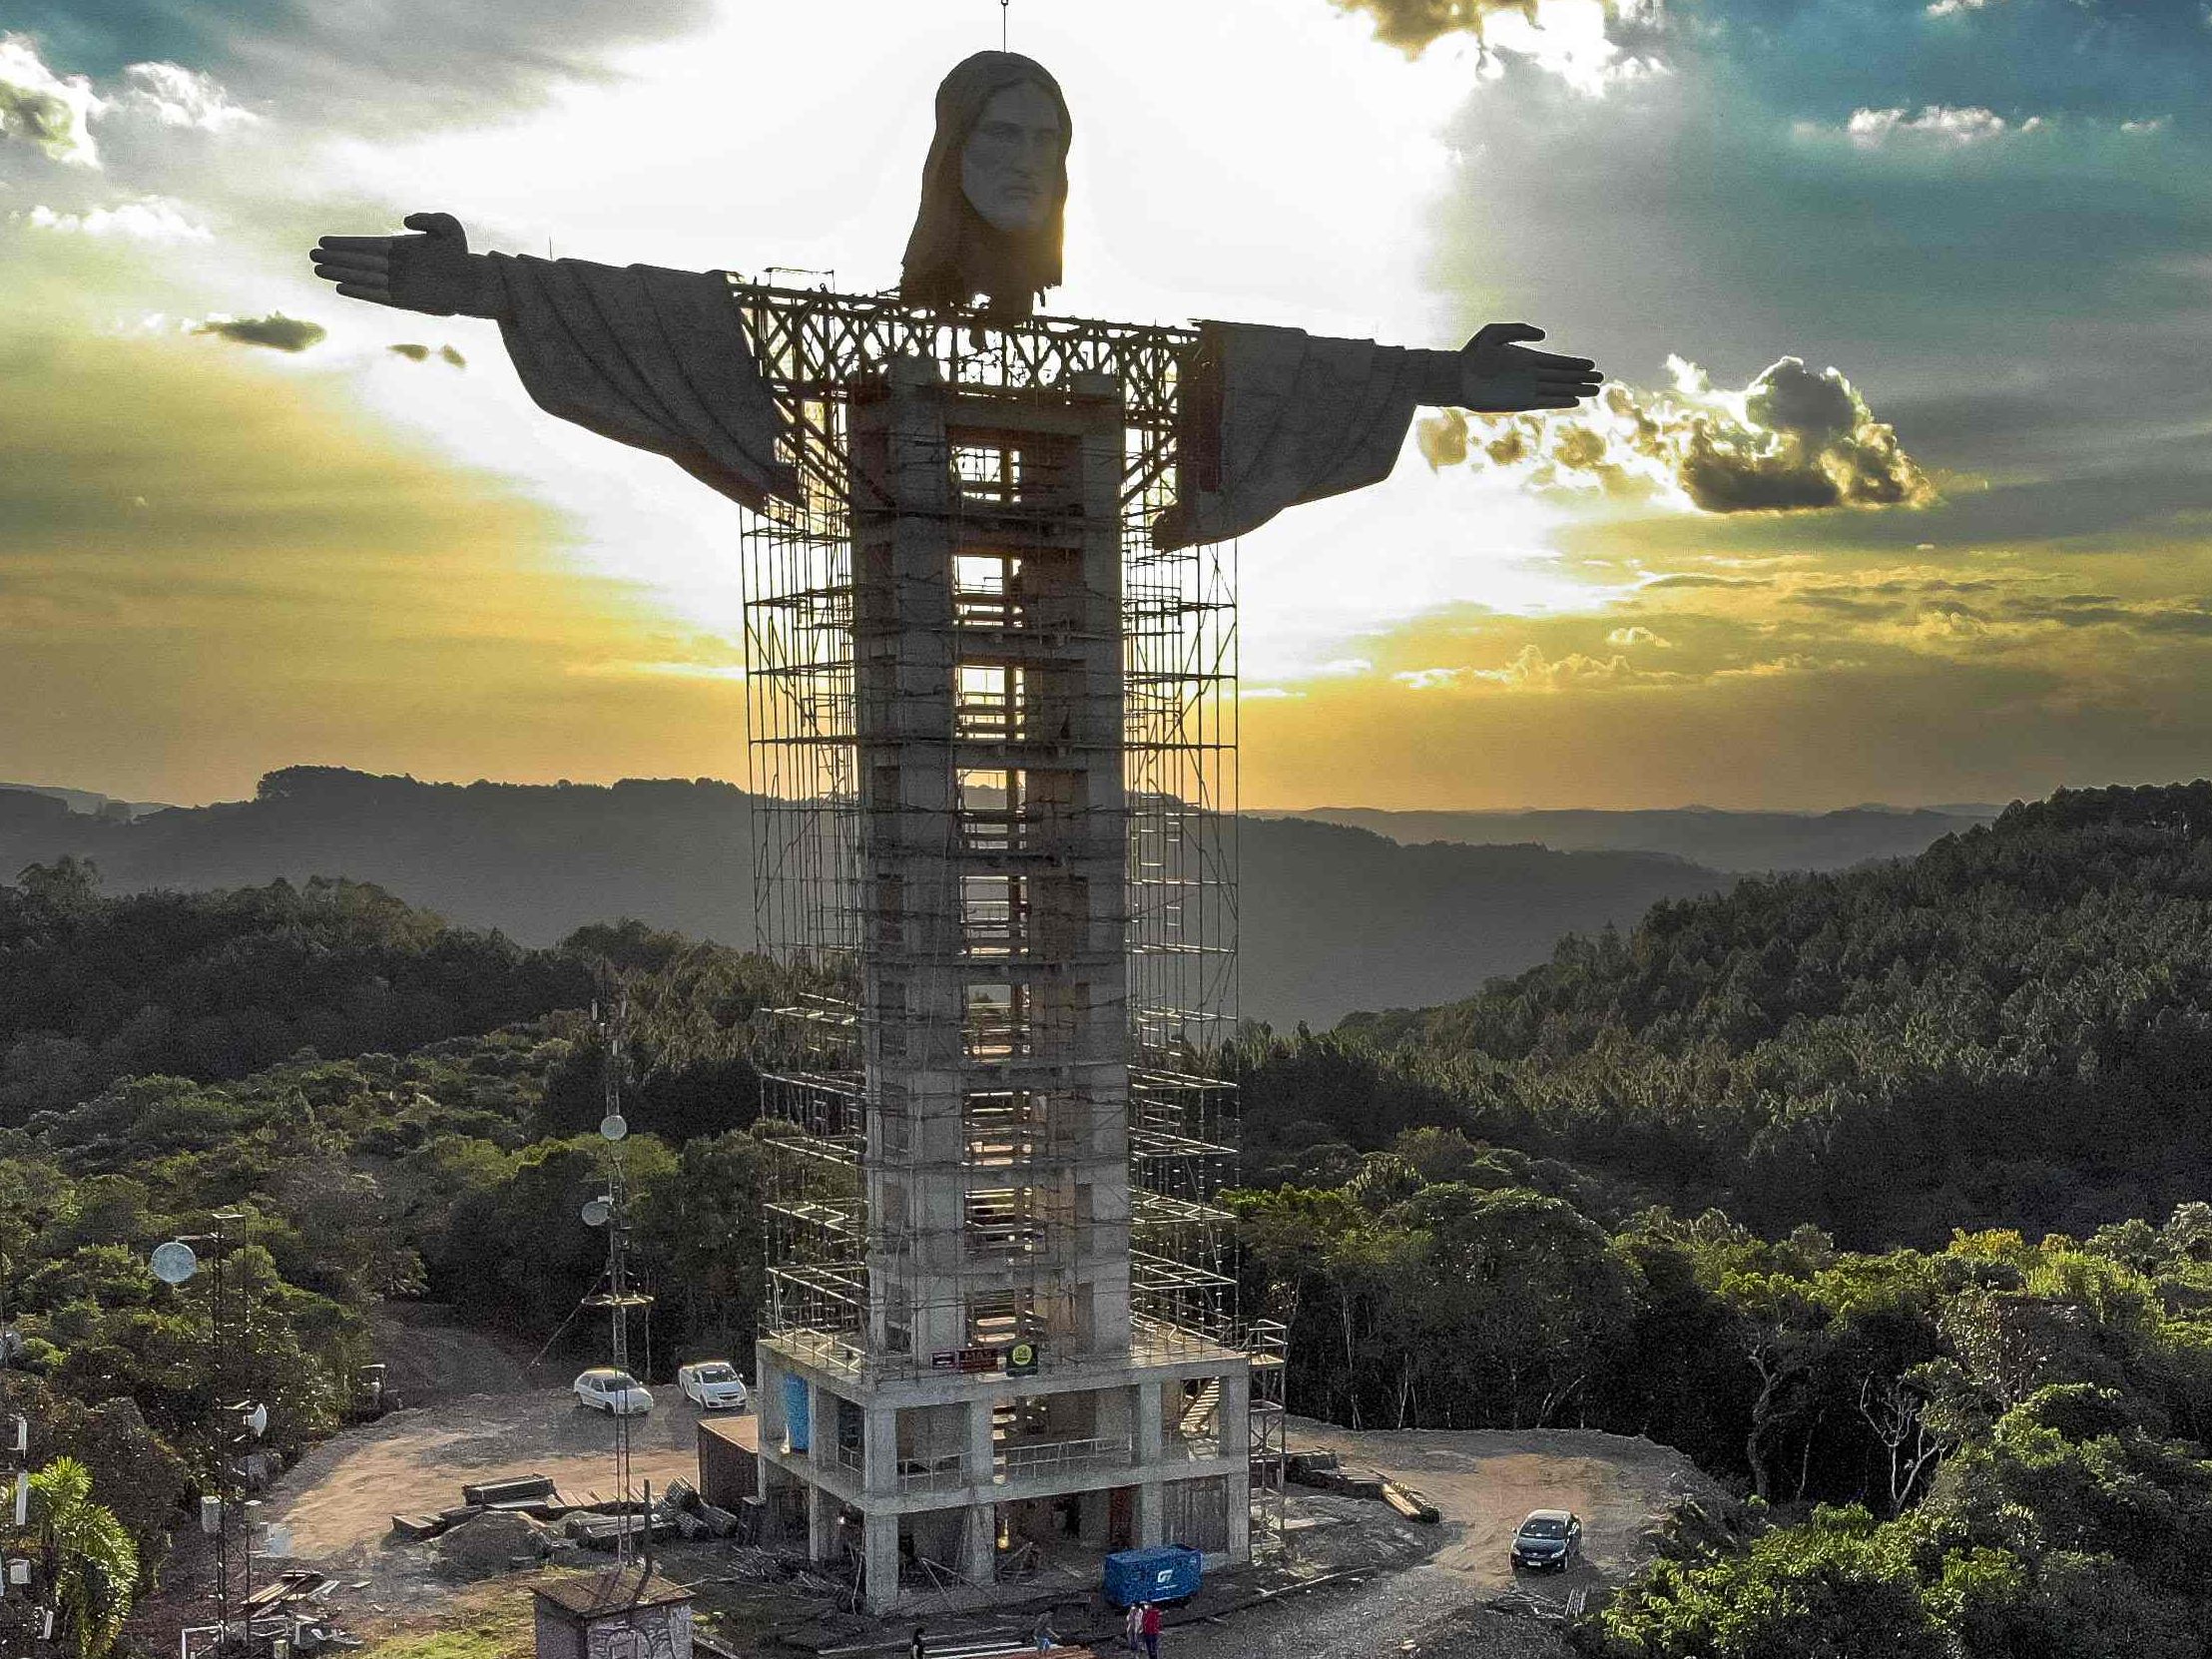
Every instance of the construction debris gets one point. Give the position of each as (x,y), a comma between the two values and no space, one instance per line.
(495,1542)
(1414,1505)
(503,1493)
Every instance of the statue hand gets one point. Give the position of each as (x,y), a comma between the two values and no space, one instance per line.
(433,272)
(1500,377)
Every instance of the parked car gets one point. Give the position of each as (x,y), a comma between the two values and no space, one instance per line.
(1547,1538)
(615,1393)
(712,1384)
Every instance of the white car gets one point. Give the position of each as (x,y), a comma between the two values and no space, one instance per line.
(714,1383)
(615,1393)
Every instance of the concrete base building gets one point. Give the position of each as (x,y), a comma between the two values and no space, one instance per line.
(994,730)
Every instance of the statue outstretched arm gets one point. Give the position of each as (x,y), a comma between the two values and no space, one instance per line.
(656,359)
(1272,418)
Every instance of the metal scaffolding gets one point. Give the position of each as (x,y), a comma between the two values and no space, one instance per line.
(993,736)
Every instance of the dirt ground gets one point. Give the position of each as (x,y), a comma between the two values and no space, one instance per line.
(477,1410)
(1486,1480)
(341,1497)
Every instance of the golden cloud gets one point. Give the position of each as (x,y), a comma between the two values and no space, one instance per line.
(1791,440)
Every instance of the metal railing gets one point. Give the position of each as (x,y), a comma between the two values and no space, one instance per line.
(1026,1460)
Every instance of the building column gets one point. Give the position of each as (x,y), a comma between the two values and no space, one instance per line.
(979,1447)
(1147,1458)
(979,1536)
(1236,1501)
(1095,1520)
(767,1414)
(879,1449)
(1232,1421)
(1146,1435)
(979,1544)
(822,1523)
(1233,1415)
(879,1552)
(821,1427)
(1151,1523)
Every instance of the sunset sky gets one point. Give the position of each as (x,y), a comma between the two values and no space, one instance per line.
(1901,489)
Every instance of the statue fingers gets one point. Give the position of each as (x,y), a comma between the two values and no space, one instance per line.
(1502,334)
(366,265)
(363,290)
(357,244)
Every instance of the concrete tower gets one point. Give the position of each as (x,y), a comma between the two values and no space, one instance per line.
(1000,1332)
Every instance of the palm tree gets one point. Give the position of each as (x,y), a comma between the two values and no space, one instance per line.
(95,1562)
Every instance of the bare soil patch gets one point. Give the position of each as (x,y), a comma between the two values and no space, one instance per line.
(1484,1482)
(1486,1479)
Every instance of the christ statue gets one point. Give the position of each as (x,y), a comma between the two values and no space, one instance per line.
(660,360)
(990,685)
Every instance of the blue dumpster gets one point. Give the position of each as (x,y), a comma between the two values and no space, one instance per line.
(1168,1572)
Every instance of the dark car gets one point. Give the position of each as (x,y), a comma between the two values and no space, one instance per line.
(1547,1538)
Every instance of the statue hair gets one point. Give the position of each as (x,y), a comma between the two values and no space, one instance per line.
(953,254)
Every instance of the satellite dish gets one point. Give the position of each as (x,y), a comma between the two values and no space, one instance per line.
(173,1263)
(613,1126)
(597,1212)
(257,1421)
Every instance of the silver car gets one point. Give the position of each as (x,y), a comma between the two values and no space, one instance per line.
(713,1384)
(615,1393)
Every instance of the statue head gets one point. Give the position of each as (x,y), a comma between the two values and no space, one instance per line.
(994,189)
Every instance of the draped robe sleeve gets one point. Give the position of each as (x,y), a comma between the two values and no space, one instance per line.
(1272,418)
(653,358)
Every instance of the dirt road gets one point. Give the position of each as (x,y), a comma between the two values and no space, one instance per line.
(342,1495)
(1484,1481)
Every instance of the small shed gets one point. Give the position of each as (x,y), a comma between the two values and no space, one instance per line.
(728,1467)
(630,1614)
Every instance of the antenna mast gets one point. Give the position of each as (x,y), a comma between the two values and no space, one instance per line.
(613,1212)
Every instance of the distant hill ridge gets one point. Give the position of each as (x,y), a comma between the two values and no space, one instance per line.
(1332,918)
(1707,836)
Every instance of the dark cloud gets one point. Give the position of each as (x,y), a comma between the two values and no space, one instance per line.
(1807,440)
(39,117)
(276,331)
(395,65)
(416,352)
(1411,25)
(41,108)
(1843,604)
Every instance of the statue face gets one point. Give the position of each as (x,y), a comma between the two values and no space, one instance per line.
(1007,166)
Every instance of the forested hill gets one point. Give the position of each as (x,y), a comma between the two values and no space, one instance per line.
(2014,1027)
(1332,918)
(216,986)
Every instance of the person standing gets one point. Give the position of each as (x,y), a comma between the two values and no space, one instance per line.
(917,1649)
(1150,1626)
(1132,1627)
